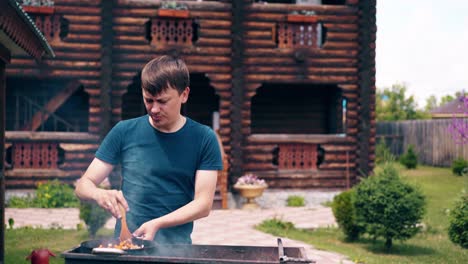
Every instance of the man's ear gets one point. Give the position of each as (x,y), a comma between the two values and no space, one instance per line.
(185,95)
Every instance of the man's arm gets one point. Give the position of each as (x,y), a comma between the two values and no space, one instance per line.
(87,188)
(205,186)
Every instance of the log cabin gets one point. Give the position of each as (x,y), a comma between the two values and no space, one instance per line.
(289,86)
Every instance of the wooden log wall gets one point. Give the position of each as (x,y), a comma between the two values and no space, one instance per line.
(209,55)
(335,63)
(78,53)
(236,49)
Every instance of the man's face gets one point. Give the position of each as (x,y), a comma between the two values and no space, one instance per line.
(164,108)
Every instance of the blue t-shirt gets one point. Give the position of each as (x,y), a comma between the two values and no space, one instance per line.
(158,170)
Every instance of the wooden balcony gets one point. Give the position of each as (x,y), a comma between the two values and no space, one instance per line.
(34,157)
(300,161)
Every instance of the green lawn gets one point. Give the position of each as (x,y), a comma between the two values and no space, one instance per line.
(432,246)
(20,242)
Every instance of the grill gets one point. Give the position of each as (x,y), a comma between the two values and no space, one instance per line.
(194,254)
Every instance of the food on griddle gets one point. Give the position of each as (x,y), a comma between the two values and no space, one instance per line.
(124,245)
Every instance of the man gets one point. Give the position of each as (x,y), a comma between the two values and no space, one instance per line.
(169,162)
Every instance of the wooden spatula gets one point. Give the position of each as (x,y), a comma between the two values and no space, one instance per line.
(124,232)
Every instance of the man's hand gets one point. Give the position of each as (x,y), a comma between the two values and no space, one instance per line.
(147,231)
(110,200)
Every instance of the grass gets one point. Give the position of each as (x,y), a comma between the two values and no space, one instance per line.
(20,242)
(441,188)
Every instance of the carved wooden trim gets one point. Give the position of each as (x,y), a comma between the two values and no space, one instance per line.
(298,35)
(297,156)
(35,155)
(14,27)
(169,32)
(49,25)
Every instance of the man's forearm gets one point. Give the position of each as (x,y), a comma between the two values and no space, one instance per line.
(86,190)
(188,213)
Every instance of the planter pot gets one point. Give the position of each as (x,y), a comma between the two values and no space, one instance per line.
(174,13)
(250,192)
(301,18)
(45,10)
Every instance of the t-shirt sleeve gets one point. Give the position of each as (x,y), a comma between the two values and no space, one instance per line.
(109,150)
(211,153)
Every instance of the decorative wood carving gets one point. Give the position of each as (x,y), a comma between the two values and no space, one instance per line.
(297,156)
(49,25)
(14,27)
(297,35)
(171,32)
(35,155)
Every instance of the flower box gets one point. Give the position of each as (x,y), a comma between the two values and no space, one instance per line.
(45,10)
(295,18)
(174,13)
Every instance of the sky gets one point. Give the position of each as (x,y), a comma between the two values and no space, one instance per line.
(423,44)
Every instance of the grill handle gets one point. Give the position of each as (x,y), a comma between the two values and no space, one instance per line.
(285,259)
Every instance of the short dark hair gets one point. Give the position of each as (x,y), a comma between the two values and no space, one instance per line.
(163,73)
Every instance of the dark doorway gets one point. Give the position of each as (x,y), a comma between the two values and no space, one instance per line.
(297,109)
(200,106)
(58,110)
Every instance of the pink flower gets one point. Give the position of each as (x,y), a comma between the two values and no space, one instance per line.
(250,179)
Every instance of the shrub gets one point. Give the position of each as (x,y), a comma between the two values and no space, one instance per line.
(459,166)
(54,194)
(458,223)
(94,217)
(382,153)
(409,159)
(388,207)
(275,224)
(295,201)
(21,202)
(345,214)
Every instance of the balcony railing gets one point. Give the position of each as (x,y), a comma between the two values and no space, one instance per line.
(297,156)
(31,116)
(28,155)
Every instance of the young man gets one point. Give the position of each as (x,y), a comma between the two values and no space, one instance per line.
(169,162)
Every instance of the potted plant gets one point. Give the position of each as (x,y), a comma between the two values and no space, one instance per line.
(45,7)
(250,187)
(173,9)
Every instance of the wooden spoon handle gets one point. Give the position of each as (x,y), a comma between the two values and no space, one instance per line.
(124,232)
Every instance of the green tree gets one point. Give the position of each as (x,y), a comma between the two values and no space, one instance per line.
(446,99)
(392,105)
(431,103)
(388,207)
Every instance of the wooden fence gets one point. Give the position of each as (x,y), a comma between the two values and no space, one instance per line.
(431,139)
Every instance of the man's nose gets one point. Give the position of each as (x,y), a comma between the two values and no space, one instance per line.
(155,108)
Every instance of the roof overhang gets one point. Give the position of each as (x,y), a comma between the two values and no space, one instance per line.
(19,33)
